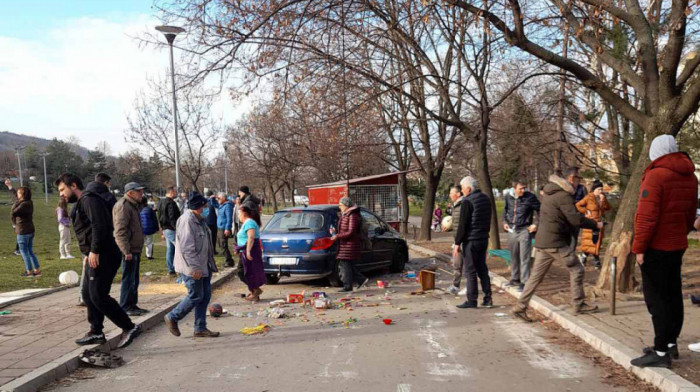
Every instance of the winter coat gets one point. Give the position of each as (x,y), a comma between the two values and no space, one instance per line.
(107,196)
(92,221)
(456,208)
(474,218)
(22,215)
(559,218)
(193,248)
(349,235)
(212,205)
(592,204)
(149,220)
(668,199)
(580,193)
(224,221)
(127,225)
(524,208)
(168,213)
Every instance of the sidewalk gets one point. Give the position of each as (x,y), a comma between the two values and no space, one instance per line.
(631,326)
(41,330)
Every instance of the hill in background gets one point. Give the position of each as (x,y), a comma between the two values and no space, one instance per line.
(9,140)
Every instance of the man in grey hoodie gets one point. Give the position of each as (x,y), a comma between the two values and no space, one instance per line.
(194,261)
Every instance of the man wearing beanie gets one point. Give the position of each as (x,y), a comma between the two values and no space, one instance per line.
(665,214)
(194,261)
(593,206)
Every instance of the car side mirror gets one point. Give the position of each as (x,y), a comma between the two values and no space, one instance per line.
(379,230)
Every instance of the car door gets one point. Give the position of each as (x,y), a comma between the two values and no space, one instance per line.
(377,242)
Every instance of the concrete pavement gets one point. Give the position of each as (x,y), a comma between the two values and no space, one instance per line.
(431,346)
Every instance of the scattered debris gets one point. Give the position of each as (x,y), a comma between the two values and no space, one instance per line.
(4,312)
(260,329)
(277,302)
(295,298)
(500,314)
(387,321)
(101,359)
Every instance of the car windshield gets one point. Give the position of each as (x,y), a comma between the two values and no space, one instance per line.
(295,221)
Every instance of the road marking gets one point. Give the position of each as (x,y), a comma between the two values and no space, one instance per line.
(541,354)
(403,388)
(432,332)
(346,374)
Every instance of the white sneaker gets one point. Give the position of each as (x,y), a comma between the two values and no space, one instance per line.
(70,257)
(453,290)
(63,257)
(694,347)
(463,291)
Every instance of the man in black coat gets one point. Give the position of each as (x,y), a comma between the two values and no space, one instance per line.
(92,222)
(472,240)
(168,214)
(520,221)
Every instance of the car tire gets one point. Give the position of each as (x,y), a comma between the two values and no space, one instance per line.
(334,277)
(400,260)
(272,278)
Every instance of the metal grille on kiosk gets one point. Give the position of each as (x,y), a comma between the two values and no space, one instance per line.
(383,200)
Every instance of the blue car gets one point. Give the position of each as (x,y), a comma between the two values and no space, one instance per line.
(297,241)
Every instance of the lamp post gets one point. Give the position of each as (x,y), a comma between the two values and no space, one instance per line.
(226,168)
(19,162)
(46,183)
(170,32)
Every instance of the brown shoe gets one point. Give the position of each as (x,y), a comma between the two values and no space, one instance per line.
(172,326)
(521,314)
(583,309)
(206,334)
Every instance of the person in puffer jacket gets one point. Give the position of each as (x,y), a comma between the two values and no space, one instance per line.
(668,198)
(349,239)
(149,225)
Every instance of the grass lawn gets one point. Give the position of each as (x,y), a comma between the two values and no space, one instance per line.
(417,209)
(46,249)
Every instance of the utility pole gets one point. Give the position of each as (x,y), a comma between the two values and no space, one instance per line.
(46,183)
(226,168)
(19,162)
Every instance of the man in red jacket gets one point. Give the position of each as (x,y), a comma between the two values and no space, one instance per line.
(667,204)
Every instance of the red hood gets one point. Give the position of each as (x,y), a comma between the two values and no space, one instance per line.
(678,162)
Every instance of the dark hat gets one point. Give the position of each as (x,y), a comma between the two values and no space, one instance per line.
(132,186)
(596,184)
(196,201)
(244,189)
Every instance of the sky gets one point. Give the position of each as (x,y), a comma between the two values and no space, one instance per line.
(74,68)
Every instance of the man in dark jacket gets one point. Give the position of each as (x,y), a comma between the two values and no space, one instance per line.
(519,219)
(92,222)
(349,238)
(250,201)
(168,214)
(212,206)
(457,260)
(128,234)
(665,213)
(472,240)
(106,195)
(558,221)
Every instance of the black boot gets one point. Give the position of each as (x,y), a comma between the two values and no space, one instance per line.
(91,338)
(652,359)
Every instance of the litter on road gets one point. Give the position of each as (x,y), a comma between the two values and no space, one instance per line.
(260,329)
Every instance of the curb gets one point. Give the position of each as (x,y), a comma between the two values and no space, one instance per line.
(664,379)
(64,365)
(36,295)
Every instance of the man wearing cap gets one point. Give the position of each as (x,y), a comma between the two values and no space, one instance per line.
(668,199)
(129,236)
(194,260)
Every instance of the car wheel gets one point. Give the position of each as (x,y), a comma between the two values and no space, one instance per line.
(400,260)
(272,278)
(334,277)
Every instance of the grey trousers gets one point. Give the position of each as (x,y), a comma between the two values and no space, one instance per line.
(520,245)
(148,242)
(543,261)
(458,264)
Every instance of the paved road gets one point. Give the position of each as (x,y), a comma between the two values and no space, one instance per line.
(432,346)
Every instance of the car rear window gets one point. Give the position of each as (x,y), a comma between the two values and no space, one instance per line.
(295,221)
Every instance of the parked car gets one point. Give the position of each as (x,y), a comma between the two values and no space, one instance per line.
(297,241)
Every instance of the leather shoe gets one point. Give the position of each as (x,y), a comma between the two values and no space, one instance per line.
(672,351)
(91,338)
(467,305)
(206,334)
(129,336)
(172,326)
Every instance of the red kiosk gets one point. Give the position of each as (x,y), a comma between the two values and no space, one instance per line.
(378,193)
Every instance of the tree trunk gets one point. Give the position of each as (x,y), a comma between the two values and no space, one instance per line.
(403,194)
(431,184)
(623,229)
(482,173)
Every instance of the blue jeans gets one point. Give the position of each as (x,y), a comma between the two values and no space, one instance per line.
(198,297)
(26,249)
(170,249)
(130,282)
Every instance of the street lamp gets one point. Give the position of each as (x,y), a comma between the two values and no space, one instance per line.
(170,32)
(19,162)
(46,183)
(226,168)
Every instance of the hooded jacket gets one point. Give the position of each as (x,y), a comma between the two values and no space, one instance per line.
(668,198)
(193,248)
(474,218)
(92,221)
(519,213)
(559,218)
(127,225)
(107,196)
